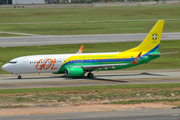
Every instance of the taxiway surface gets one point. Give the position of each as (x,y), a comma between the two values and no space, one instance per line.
(34,40)
(102,78)
(145,114)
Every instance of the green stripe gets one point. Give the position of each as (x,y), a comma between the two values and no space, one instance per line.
(141,61)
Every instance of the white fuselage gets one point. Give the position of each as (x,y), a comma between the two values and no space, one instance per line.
(39,63)
(35,64)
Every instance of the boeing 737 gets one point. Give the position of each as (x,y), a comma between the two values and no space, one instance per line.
(77,65)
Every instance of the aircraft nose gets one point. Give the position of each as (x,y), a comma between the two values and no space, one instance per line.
(5,67)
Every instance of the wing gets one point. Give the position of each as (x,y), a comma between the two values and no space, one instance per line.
(106,66)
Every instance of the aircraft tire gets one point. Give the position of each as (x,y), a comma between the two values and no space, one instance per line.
(19,77)
(90,75)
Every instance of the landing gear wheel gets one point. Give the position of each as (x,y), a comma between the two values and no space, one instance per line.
(90,75)
(19,77)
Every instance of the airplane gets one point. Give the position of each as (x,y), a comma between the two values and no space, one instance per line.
(77,65)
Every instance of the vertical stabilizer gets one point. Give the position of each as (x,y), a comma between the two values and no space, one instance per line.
(152,40)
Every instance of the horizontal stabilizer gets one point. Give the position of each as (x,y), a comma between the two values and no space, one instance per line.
(163,53)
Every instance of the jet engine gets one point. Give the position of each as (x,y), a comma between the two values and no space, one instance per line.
(74,72)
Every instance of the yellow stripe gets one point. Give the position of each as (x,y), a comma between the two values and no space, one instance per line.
(102,56)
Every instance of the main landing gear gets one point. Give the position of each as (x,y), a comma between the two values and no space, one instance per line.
(19,77)
(90,75)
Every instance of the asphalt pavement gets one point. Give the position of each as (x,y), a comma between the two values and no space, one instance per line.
(34,40)
(144,114)
(102,78)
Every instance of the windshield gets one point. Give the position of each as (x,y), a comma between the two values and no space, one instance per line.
(13,62)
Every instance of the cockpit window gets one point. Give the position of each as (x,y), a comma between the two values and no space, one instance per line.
(13,62)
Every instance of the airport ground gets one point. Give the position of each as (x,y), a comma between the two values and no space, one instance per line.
(35,24)
(34,39)
(91,45)
(102,78)
(162,110)
(89,20)
(122,77)
(105,112)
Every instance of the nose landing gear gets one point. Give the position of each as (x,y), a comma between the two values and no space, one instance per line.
(19,76)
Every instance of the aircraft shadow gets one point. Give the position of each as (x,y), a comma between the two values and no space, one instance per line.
(144,73)
(66,79)
(92,79)
(41,77)
(85,77)
(110,80)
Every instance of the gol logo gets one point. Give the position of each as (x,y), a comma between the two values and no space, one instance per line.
(47,63)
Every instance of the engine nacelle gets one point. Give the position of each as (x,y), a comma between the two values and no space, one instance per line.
(74,72)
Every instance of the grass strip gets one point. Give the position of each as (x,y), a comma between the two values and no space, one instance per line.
(89,20)
(28,15)
(144,101)
(119,94)
(92,89)
(11,35)
(88,28)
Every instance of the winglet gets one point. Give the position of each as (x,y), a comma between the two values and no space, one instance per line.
(137,59)
(80,50)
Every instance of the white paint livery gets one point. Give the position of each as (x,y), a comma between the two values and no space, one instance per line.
(28,64)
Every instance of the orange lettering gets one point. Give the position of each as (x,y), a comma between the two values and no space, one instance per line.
(54,64)
(38,64)
(46,64)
